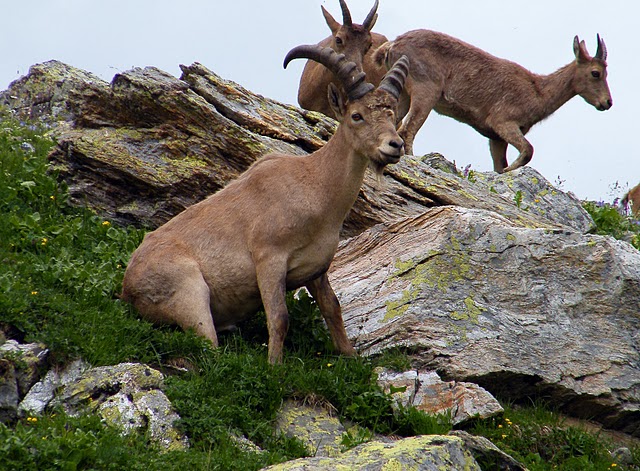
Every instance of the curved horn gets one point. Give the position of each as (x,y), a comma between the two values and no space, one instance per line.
(346,15)
(601,52)
(352,80)
(393,81)
(371,18)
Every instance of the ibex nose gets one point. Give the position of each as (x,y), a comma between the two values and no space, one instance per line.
(397,144)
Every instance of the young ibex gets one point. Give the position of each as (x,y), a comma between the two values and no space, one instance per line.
(632,200)
(498,98)
(357,43)
(275,228)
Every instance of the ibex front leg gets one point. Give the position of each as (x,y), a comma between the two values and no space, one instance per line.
(329,306)
(272,285)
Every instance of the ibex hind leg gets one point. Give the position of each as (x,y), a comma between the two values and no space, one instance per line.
(190,305)
(498,149)
(330,309)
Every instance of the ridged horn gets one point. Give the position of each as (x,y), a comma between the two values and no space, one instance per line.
(393,81)
(371,18)
(346,14)
(601,52)
(352,80)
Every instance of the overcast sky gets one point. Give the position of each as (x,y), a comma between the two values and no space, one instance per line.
(246,40)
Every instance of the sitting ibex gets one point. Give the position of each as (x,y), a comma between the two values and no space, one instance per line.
(632,200)
(498,98)
(275,228)
(357,43)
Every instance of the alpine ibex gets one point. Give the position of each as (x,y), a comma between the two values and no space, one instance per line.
(274,228)
(498,98)
(632,199)
(357,43)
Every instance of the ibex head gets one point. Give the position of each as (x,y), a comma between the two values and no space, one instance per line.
(351,39)
(367,114)
(591,77)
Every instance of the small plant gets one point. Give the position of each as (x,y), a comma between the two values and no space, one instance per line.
(610,220)
(517,199)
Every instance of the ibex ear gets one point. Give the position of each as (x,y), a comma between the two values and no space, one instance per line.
(580,50)
(336,101)
(334,26)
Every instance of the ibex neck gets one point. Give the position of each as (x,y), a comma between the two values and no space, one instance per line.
(340,171)
(557,88)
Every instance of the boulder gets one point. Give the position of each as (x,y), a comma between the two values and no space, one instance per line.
(316,425)
(424,453)
(127,396)
(20,368)
(520,311)
(427,392)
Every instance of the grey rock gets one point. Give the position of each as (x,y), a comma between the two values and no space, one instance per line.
(127,396)
(43,392)
(426,391)
(487,454)
(519,311)
(313,424)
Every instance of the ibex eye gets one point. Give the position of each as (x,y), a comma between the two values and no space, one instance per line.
(595,74)
(356,117)
(338,40)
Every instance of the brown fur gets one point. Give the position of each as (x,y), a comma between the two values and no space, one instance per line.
(632,200)
(358,44)
(273,229)
(498,98)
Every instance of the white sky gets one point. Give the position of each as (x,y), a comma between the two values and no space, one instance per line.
(246,41)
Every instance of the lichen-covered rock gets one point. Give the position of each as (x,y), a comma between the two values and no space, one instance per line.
(20,368)
(531,192)
(487,454)
(146,146)
(43,94)
(425,391)
(422,453)
(127,396)
(315,425)
(519,311)
(43,392)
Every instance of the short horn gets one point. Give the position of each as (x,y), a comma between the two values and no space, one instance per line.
(601,52)
(393,81)
(346,15)
(371,18)
(352,80)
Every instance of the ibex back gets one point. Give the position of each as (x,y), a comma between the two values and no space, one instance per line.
(273,229)
(498,98)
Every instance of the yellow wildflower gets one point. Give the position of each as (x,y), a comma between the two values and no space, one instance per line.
(34,293)
(106,223)
(44,241)
(329,365)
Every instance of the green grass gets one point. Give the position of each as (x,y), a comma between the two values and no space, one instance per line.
(60,274)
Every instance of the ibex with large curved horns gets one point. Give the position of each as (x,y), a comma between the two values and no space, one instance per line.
(498,98)
(356,42)
(274,228)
